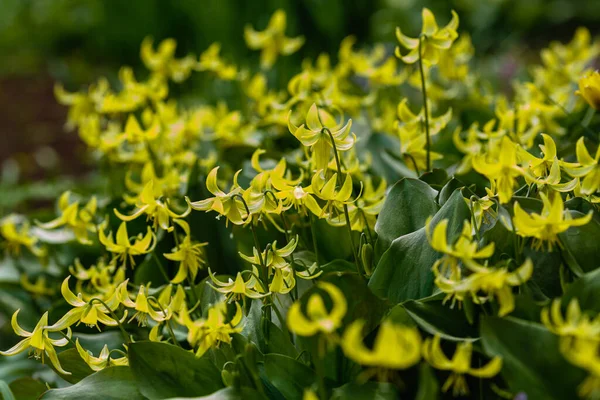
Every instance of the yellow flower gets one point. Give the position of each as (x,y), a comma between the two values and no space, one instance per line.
(503,171)
(226,204)
(15,237)
(210,60)
(78,220)
(395,347)
(39,341)
(89,312)
(485,283)
(143,308)
(589,89)
(434,39)
(103,360)
(587,168)
(123,248)
(584,354)
(39,288)
(546,226)
(272,257)
(272,40)
(189,254)
(314,135)
(163,61)
(214,329)
(326,190)
(575,323)
(317,318)
(459,365)
(148,203)
(239,288)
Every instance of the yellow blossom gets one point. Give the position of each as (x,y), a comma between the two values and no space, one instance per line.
(80,221)
(317,318)
(123,248)
(589,89)
(587,168)
(103,360)
(575,323)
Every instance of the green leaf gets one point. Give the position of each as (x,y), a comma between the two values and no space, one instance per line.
(163,370)
(230,393)
(429,388)
(333,241)
(253,329)
(5,391)
(436,318)
(71,362)
(288,376)
(27,388)
(532,362)
(112,383)
(367,391)
(436,178)
(587,291)
(406,208)
(582,244)
(404,271)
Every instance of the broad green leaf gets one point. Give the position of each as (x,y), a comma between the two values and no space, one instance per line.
(407,206)
(27,388)
(587,291)
(255,325)
(5,392)
(112,383)
(582,244)
(532,362)
(404,271)
(436,318)
(436,178)
(367,391)
(163,370)
(429,388)
(288,376)
(333,241)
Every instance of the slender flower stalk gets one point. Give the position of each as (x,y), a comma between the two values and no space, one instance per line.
(425,108)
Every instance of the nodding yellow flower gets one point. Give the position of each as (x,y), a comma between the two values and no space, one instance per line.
(503,171)
(363,213)
(144,305)
(584,354)
(39,341)
(39,288)
(589,89)
(326,190)
(485,283)
(216,328)
(395,347)
(314,135)
(163,61)
(189,254)
(15,232)
(226,204)
(103,360)
(552,181)
(124,249)
(148,203)
(239,288)
(317,318)
(272,257)
(80,221)
(89,312)
(465,248)
(575,323)
(272,40)
(210,60)
(459,365)
(541,166)
(134,133)
(81,105)
(587,168)
(472,144)
(546,226)
(434,40)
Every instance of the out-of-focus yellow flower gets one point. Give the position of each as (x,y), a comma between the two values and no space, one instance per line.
(459,365)
(103,360)
(584,354)
(395,347)
(163,61)
(15,232)
(317,318)
(123,248)
(239,288)
(272,41)
(226,204)
(434,39)
(546,226)
(314,135)
(216,328)
(503,171)
(80,221)
(575,323)
(210,60)
(587,168)
(39,288)
(38,341)
(589,89)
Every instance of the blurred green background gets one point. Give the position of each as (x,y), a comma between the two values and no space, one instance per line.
(76,41)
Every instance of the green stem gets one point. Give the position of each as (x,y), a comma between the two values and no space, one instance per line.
(346,215)
(320,367)
(167,322)
(114,316)
(426,110)
(293,264)
(313,233)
